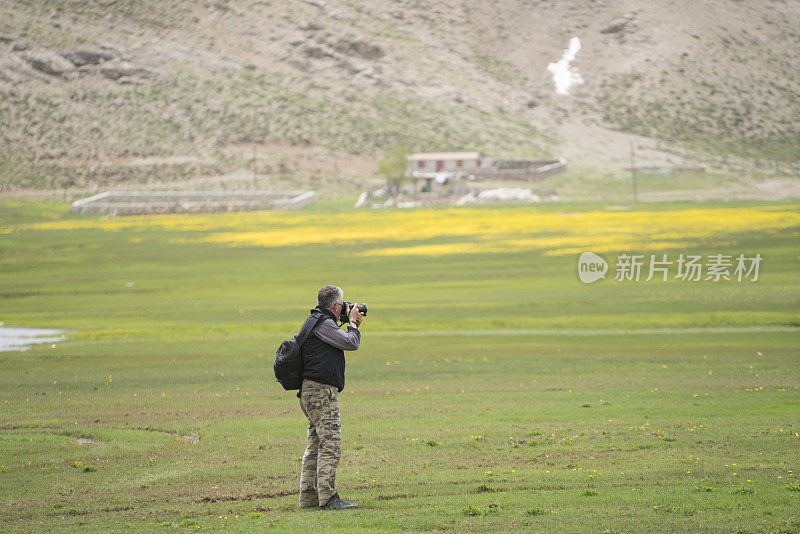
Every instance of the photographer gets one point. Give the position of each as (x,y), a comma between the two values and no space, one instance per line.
(323,379)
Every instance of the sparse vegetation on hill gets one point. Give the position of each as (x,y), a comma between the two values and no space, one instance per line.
(86,87)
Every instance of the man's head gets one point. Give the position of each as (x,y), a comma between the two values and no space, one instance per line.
(330,297)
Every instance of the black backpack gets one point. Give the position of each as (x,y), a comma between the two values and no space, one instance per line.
(288,364)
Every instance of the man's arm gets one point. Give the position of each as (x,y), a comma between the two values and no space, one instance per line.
(331,334)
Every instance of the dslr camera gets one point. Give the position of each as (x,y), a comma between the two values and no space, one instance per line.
(345,313)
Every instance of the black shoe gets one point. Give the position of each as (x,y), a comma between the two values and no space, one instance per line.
(335,503)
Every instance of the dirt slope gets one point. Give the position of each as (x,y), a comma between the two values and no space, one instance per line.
(86,89)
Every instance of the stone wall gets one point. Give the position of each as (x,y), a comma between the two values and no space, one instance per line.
(160,202)
(521,169)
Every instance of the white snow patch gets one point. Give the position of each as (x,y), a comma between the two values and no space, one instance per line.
(564,75)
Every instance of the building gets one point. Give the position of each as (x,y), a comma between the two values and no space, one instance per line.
(442,173)
(429,164)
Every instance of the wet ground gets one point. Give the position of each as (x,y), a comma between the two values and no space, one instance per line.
(12,338)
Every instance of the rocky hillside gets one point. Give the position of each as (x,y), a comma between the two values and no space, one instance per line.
(144,90)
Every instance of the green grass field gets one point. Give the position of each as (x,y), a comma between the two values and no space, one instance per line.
(492,391)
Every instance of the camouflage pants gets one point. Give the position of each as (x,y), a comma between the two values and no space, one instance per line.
(320,404)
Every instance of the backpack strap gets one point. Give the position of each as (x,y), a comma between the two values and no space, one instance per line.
(310,324)
(303,335)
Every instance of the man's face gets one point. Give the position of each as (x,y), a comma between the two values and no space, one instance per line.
(337,308)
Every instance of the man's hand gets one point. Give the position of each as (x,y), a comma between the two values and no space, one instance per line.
(355,315)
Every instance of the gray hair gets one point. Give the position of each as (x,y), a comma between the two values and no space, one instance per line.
(328,296)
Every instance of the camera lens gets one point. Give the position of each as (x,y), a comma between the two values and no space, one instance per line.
(344,315)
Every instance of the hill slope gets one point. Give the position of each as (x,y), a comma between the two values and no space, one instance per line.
(87,90)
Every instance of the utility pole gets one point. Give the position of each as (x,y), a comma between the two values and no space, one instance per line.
(633,173)
(255,163)
(255,155)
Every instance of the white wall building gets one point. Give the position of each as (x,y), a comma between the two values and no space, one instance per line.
(426,165)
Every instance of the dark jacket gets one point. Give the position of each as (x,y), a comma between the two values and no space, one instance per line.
(323,351)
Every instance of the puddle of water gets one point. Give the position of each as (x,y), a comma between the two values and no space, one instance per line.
(12,338)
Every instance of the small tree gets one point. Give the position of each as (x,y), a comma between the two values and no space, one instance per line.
(393,164)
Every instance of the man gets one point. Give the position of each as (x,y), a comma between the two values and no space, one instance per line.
(323,379)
